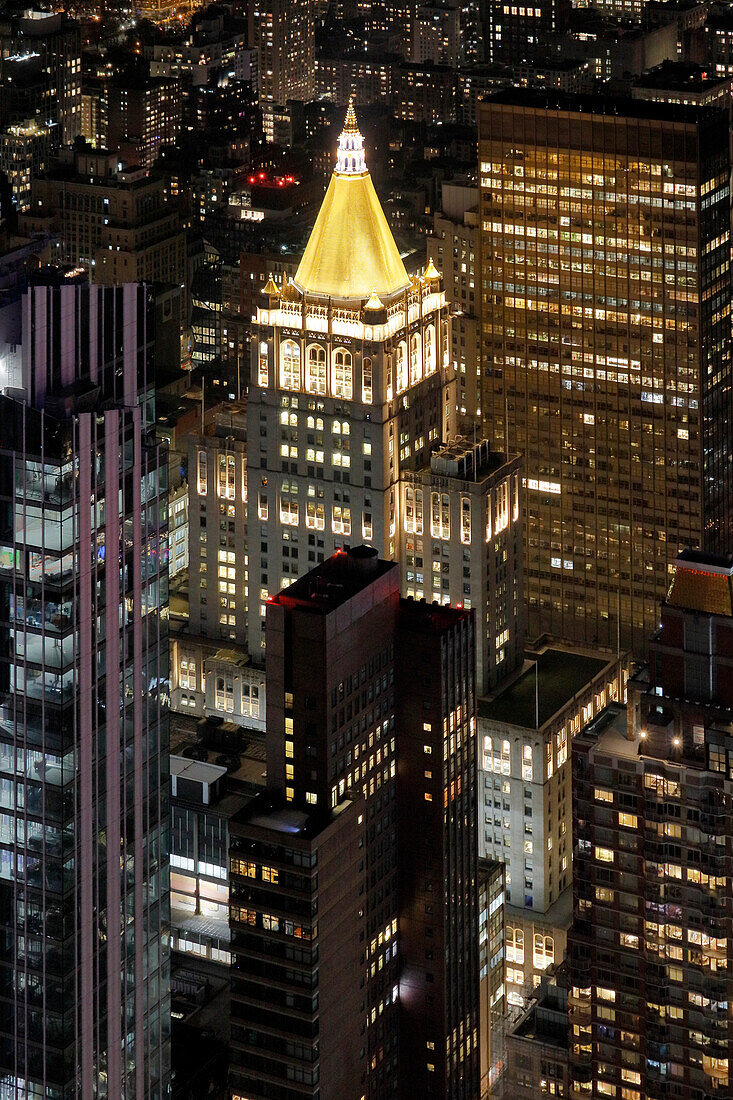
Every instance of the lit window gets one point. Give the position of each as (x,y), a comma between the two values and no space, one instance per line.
(413,511)
(440,515)
(316,369)
(289,365)
(466,520)
(202,473)
(342,373)
(366,381)
(341,520)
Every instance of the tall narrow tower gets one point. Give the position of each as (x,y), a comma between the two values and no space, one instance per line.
(350,385)
(84,906)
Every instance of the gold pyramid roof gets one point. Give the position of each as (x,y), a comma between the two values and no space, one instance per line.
(271,288)
(351,252)
(431,272)
(290,292)
(375,302)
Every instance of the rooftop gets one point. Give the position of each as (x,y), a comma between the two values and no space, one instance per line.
(604,104)
(608,729)
(702,582)
(467,461)
(546,1020)
(197,771)
(681,76)
(336,580)
(432,618)
(551,681)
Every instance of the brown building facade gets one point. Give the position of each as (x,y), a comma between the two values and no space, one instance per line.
(371,754)
(649,950)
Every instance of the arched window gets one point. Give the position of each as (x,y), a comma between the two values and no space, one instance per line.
(290,365)
(415,359)
(515,945)
(316,373)
(430,350)
(366,381)
(342,371)
(440,515)
(544,951)
(401,367)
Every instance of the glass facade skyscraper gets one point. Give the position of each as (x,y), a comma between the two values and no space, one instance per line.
(606,291)
(84,893)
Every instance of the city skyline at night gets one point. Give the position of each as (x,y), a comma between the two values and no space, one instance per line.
(365,550)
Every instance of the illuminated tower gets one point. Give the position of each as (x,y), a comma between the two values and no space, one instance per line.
(350,386)
(606,284)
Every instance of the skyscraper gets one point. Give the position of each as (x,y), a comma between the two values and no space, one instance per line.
(350,384)
(350,399)
(354,887)
(606,299)
(649,950)
(84,1001)
(283,33)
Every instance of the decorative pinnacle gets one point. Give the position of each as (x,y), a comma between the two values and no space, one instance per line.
(351,126)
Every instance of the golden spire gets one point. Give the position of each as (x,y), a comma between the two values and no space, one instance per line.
(351,126)
(351,253)
(271,289)
(375,302)
(431,272)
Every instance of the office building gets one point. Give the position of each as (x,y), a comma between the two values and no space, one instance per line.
(436,34)
(114,223)
(616,48)
(516,34)
(681,82)
(283,33)
(217,528)
(460,543)
(143,114)
(350,385)
(649,950)
(40,68)
(537,1043)
(492,1000)
(525,819)
(212,778)
(356,970)
(26,149)
(84,890)
(606,346)
(453,245)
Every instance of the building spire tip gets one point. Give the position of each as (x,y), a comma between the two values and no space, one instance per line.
(351,126)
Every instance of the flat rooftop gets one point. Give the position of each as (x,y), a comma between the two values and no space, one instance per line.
(680,76)
(282,821)
(335,581)
(605,104)
(198,771)
(608,730)
(551,681)
(544,1023)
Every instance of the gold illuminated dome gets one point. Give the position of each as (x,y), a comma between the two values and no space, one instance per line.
(271,289)
(351,252)
(431,272)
